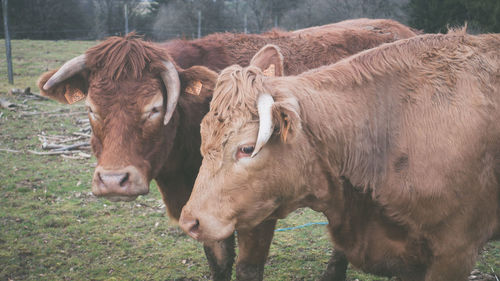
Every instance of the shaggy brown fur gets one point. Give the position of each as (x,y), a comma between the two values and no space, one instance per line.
(399,146)
(302,49)
(123,58)
(122,78)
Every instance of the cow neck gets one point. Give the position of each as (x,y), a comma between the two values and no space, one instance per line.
(348,127)
(184,159)
(349,208)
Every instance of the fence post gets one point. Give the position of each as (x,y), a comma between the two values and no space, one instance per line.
(125,8)
(7,42)
(199,24)
(245,24)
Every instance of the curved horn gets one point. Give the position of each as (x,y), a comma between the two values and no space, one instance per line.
(264,108)
(70,68)
(171,80)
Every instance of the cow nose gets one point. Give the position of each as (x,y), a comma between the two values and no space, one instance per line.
(190,225)
(119,184)
(114,179)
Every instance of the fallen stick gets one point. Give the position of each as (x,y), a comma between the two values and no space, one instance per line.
(7,104)
(72,147)
(60,147)
(86,155)
(75,157)
(50,146)
(54,137)
(16,91)
(67,114)
(54,142)
(44,112)
(71,157)
(53,152)
(53,113)
(10,150)
(28,92)
(82,134)
(82,121)
(88,128)
(71,139)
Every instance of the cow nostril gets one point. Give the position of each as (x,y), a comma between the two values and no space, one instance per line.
(99,177)
(124,179)
(195,228)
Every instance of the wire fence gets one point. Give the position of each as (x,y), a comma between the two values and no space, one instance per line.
(88,34)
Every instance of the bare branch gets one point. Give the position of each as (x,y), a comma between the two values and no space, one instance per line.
(10,150)
(27,92)
(53,152)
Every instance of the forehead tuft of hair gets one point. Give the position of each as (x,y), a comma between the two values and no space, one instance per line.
(237,89)
(127,57)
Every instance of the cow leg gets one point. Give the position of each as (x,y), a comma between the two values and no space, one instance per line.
(220,256)
(337,267)
(253,250)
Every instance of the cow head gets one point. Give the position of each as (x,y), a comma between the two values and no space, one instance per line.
(248,142)
(131,90)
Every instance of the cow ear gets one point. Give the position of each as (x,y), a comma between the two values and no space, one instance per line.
(198,81)
(286,116)
(270,60)
(68,91)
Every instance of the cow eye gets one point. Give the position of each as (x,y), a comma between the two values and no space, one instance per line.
(92,115)
(245,151)
(154,112)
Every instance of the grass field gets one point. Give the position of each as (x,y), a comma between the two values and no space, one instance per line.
(52,228)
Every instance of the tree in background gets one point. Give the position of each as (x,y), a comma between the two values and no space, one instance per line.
(107,17)
(179,18)
(438,15)
(268,13)
(166,19)
(46,19)
(318,12)
(72,19)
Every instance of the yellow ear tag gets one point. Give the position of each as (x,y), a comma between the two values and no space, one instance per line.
(73,96)
(194,88)
(270,71)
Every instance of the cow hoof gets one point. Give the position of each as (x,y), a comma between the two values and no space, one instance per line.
(248,272)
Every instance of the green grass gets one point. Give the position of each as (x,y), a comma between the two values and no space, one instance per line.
(52,229)
(30,58)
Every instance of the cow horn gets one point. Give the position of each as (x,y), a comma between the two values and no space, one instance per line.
(70,68)
(171,80)
(264,108)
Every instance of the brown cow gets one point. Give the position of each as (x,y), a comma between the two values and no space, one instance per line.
(125,82)
(307,48)
(399,146)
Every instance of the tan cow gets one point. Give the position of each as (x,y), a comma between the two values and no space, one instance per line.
(399,146)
